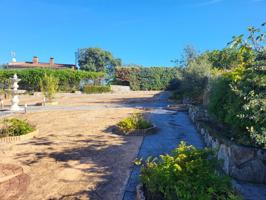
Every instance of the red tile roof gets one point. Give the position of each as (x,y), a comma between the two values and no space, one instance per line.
(22,65)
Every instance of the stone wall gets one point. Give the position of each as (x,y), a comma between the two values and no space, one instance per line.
(120,88)
(240,162)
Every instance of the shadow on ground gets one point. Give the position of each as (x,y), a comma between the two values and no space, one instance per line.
(110,162)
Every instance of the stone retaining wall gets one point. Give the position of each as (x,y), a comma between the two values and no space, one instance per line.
(240,162)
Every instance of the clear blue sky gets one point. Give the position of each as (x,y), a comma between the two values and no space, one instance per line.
(147,32)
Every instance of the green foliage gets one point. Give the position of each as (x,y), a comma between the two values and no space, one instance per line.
(195,79)
(15,127)
(187,174)
(226,58)
(49,86)
(189,54)
(254,41)
(68,79)
(176,95)
(97,60)
(238,98)
(93,89)
(251,47)
(135,121)
(148,78)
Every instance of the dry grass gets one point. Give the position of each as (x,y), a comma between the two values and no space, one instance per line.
(74,156)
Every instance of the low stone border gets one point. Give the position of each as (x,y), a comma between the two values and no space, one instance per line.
(53,103)
(179,107)
(137,132)
(240,162)
(12,139)
(140,193)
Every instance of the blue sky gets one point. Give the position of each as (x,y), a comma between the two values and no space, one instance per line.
(146,32)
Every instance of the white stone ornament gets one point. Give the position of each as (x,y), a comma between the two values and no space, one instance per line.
(15,99)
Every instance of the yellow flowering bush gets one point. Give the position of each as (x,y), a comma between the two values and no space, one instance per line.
(135,121)
(187,174)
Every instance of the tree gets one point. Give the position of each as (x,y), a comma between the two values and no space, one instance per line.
(97,60)
(195,78)
(49,86)
(189,54)
(226,58)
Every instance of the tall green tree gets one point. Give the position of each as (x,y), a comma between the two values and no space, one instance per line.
(97,60)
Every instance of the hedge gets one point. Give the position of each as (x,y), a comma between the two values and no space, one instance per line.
(30,78)
(94,89)
(148,78)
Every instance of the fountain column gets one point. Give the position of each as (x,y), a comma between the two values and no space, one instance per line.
(15,99)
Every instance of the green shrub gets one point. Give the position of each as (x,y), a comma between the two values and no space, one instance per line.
(94,89)
(68,79)
(187,174)
(135,121)
(238,98)
(195,79)
(15,127)
(49,86)
(148,78)
(176,95)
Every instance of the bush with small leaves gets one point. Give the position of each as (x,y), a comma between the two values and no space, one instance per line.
(187,174)
(15,127)
(134,122)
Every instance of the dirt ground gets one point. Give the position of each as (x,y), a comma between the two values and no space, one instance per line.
(74,155)
(72,99)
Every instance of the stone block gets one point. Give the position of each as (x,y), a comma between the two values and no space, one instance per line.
(241,154)
(252,171)
(223,154)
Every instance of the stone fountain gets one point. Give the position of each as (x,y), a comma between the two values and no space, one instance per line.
(15,99)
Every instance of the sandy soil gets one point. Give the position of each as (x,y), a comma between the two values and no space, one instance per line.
(71,99)
(75,156)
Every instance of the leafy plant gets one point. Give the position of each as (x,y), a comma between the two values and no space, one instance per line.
(187,174)
(135,121)
(49,86)
(237,98)
(93,89)
(15,127)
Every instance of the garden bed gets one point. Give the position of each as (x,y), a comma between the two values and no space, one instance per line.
(136,132)
(13,130)
(136,124)
(12,139)
(186,173)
